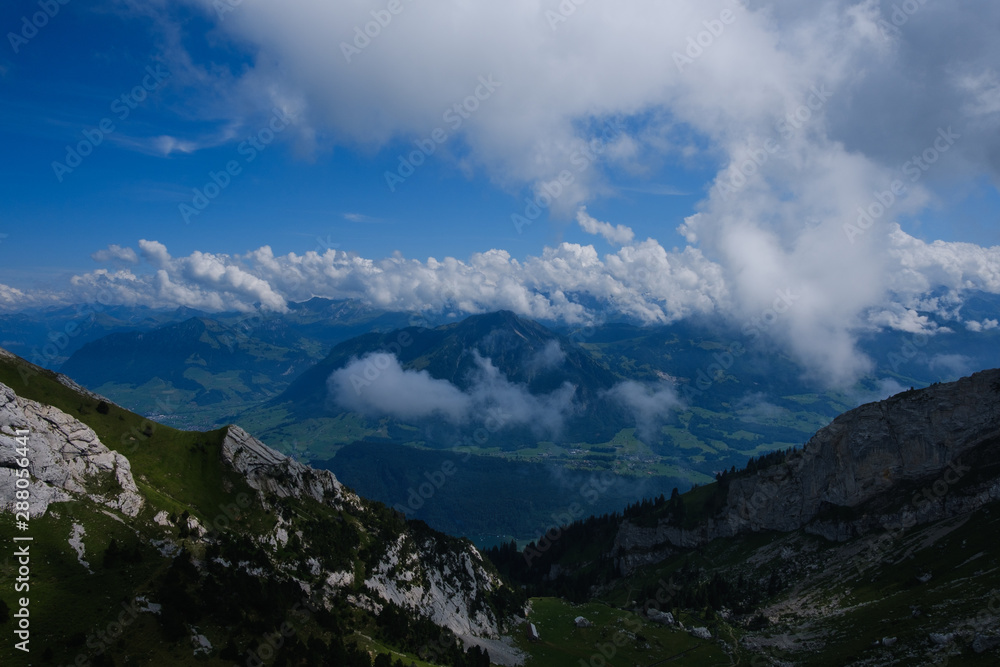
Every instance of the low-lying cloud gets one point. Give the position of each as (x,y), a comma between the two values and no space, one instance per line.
(651,405)
(377,385)
(548,358)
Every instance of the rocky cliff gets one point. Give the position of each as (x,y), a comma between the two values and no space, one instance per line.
(850,478)
(66,459)
(446,583)
(270,472)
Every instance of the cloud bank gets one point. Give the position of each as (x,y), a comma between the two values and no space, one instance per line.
(829,127)
(650,405)
(378,386)
(813,306)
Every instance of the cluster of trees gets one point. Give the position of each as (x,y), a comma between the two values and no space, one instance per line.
(576,548)
(759,463)
(715,592)
(648,512)
(118,554)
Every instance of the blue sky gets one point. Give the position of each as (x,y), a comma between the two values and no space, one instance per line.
(705,156)
(63,82)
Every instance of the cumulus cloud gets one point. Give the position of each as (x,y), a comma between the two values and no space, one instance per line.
(13,297)
(650,405)
(984,325)
(115,254)
(952,366)
(823,305)
(806,113)
(617,235)
(377,385)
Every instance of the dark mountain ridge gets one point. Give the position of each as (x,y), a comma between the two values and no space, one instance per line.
(874,544)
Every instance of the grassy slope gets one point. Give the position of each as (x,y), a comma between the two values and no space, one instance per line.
(617,637)
(831,612)
(176,471)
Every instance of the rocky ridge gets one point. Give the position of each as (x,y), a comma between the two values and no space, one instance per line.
(66,459)
(413,573)
(443,582)
(270,472)
(863,456)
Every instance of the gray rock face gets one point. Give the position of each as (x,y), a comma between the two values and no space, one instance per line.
(269,471)
(447,587)
(982,643)
(65,456)
(414,573)
(868,450)
(865,452)
(661,617)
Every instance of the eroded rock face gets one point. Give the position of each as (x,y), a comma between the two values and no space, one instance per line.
(270,472)
(444,586)
(864,453)
(869,450)
(65,456)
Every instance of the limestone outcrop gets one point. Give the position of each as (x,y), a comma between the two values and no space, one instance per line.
(65,457)
(914,438)
(270,472)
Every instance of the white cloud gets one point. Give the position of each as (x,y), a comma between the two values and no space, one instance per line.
(612,60)
(807,112)
(115,254)
(953,366)
(650,405)
(899,318)
(825,301)
(548,358)
(13,297)
(985,325)
(617,235)
(377,385)
(755,408)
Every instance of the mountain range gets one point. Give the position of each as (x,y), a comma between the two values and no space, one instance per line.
(527,413)
(871,545)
